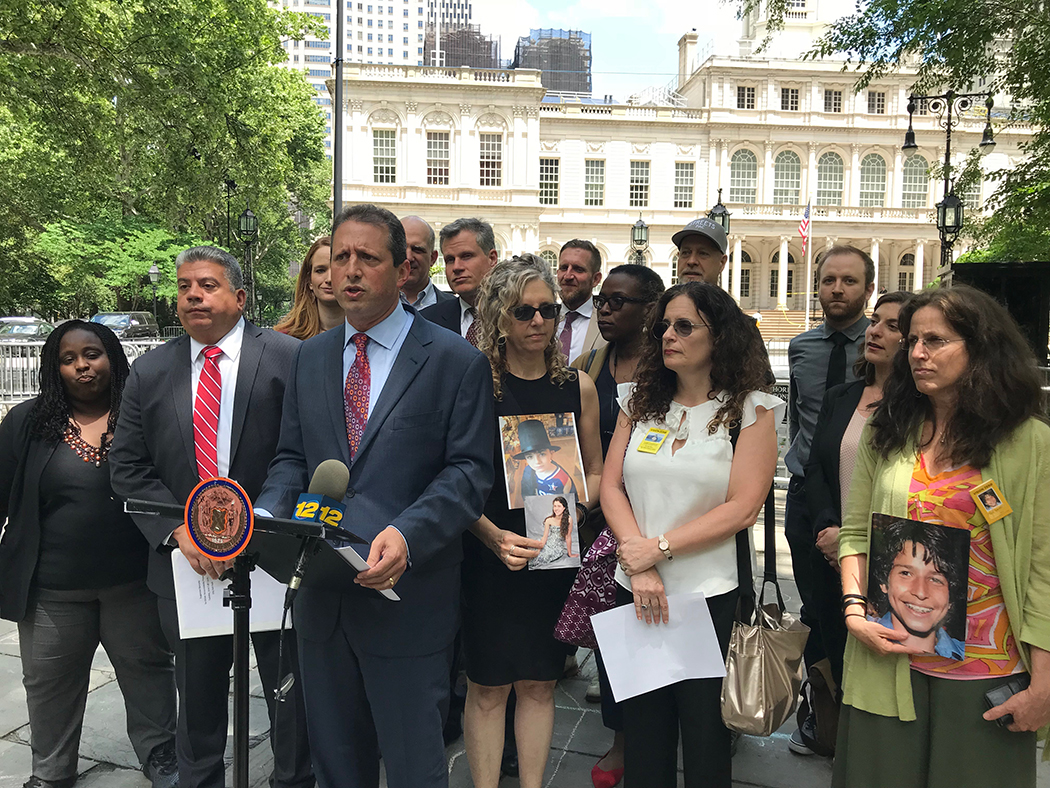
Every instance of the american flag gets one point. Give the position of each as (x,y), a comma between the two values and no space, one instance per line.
(803,228)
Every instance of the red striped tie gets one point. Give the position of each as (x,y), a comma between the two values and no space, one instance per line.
(356,394)
(206,415)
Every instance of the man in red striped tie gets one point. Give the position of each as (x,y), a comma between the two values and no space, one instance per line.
(203,405)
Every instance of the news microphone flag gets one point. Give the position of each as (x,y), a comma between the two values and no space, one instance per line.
(803,228)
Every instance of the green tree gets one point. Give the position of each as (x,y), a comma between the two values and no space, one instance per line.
(136,110)
(1004,47)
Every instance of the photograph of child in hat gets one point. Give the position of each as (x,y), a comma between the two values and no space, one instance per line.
(541,457)
(551,519)
(917,582)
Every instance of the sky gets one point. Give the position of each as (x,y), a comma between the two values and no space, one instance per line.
(634,43)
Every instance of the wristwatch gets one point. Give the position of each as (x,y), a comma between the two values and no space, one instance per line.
(665,547)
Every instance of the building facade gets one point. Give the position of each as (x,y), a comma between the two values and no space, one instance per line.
(773,134)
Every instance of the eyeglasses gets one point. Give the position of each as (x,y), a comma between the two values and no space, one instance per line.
(681,326)
(931,344)
(525,312)
(615,302)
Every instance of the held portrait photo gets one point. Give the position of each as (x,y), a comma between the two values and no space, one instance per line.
(551,519)
(541,456)
(917,579)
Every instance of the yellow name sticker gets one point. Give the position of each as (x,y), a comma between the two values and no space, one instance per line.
(653,440)
(990,501)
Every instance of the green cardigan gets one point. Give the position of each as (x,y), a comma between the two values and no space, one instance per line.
(1020,541)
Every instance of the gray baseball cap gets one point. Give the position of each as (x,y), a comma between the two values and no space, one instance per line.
(708,228)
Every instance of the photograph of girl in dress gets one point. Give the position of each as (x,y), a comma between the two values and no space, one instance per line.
(551,519)
(534,461)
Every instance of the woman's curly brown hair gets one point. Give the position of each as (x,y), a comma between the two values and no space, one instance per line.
(501,291)
(739,362)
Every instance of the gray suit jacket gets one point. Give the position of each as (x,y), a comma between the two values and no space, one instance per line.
(153,457)
(424,466)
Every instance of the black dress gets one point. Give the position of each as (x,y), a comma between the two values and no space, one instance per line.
(509,617)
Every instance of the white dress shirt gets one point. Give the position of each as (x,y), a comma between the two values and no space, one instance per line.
(579,327)
(465,318)
(229,363)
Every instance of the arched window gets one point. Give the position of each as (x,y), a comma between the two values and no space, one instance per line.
(915,182)
(674,267)
(829,179)
(906,279)
(787,178)
(873,181)
(745,258)
(551,257)
(743,177)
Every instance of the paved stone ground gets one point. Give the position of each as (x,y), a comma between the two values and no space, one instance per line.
(107,760)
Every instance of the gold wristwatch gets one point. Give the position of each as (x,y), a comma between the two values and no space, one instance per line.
(665,547)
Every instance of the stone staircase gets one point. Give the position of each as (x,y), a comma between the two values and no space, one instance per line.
(778,324)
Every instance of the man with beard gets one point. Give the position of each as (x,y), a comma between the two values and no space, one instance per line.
(701,251)
(579,272)
(819,359)
(418,291)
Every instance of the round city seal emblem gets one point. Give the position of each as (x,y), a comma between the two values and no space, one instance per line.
(219,518)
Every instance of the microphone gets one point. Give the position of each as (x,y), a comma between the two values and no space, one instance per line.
(322,503)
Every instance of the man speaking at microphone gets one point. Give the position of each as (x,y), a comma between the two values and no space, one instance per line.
(208,404)
(407,406)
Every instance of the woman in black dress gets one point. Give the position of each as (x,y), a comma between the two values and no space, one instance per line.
(509,614)
(73,564)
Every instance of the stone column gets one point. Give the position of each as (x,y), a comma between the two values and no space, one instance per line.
(853,178)
(737,252)
(897,184)
(766,176)
(875,257)
(414,140)
(356,142)
(920,254)
(782,277)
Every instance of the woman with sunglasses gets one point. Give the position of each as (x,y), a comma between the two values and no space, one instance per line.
(675,493)
(626,299)
(962,407)
(509,614)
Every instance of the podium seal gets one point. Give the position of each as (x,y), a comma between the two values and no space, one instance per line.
(219,518)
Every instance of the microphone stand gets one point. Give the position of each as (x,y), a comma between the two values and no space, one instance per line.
(238,597)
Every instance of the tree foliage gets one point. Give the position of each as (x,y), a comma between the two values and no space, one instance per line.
(121,121)
(1003,46)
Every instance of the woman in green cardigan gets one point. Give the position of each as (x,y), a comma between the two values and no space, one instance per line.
(961,408)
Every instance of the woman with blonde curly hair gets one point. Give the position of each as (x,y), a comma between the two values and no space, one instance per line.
(314,309)
(509,614)
(700,399)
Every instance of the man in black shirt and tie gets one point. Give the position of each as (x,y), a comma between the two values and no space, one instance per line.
(819,359)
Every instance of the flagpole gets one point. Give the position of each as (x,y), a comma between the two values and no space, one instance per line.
(809,264)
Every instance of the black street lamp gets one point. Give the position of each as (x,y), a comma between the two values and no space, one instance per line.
(154,277)
(639,241)
(248,232)
(719,213)
(949,107)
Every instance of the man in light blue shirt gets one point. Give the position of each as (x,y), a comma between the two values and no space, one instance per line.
(419,290)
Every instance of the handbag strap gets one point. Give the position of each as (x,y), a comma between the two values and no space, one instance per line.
(745,577)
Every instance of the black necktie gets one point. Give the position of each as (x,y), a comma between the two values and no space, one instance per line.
(837,360)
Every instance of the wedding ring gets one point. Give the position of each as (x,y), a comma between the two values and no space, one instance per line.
(391,582)
(645,607)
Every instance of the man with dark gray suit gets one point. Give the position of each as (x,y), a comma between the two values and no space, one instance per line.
(469,249)
(208,404)
(409,408)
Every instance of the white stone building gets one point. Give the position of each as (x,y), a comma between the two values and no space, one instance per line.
(772,132)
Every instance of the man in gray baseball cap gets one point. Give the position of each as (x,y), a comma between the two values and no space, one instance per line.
(701,251)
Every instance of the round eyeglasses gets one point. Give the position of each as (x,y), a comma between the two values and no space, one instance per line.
(681,326)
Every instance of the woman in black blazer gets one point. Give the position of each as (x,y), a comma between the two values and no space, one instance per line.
(73,564)
(842,416)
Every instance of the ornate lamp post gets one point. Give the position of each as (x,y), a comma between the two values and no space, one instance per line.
(719,213)
(154,277)
(639,241)
(949,107)
(248,232)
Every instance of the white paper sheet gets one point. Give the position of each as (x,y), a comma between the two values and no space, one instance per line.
(352,557)
(641,657)
(199,600)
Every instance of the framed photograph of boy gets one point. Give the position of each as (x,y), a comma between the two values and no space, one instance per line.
(917,582)
(551,519)
(541,456)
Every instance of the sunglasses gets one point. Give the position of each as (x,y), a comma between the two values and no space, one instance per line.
(681,326)
(615,302)
(525,312)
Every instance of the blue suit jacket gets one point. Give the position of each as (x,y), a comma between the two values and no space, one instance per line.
(424,466)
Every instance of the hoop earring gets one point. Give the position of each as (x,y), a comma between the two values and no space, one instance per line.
(502,341)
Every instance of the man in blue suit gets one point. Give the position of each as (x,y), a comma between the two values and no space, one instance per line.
(409,407)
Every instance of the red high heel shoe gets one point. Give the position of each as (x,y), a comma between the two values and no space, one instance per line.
(605,779)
